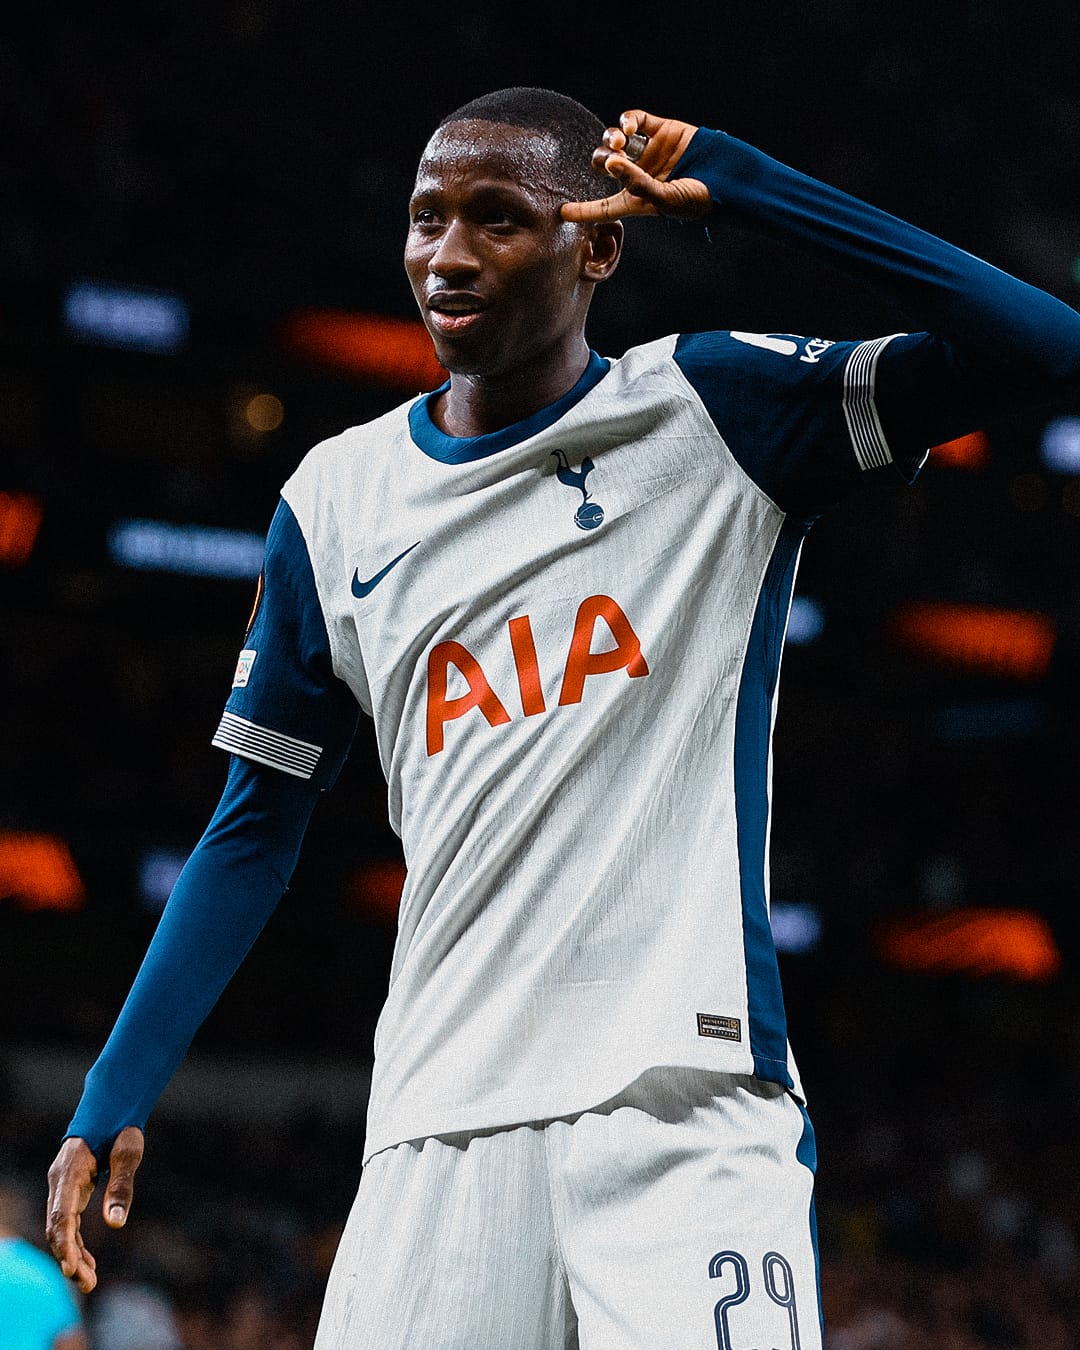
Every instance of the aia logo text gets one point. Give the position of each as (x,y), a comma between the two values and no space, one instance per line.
(581,662)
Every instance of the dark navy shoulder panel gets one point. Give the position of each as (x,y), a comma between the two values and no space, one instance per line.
(287,708)
(778,401)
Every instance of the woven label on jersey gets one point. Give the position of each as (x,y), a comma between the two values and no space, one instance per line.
(243,668)
(723,1028)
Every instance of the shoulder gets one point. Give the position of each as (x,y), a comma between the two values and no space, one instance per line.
(732,362)
(350,447)
(784,357)
(334,471)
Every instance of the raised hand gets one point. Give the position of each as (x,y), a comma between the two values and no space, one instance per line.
(647,188)
(71,1184)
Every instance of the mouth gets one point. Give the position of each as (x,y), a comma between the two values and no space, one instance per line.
(454,311)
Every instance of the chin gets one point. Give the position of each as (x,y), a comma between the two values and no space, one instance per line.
(458,359)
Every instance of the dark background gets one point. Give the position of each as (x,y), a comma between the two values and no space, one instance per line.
(254,159)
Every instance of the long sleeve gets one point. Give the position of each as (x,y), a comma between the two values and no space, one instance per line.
(944,289)
(805,416)
(219,905)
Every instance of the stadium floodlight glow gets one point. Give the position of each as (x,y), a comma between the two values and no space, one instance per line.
(122,316)
(188,550)
(38,872)
(395,352)
(375,889)
(20,520)
(1017,944)
(1060,446)
(1013,643)
(965,452)
(796,929)
(158,872)
(806,622)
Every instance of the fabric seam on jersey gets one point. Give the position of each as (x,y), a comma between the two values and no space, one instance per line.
(336,665)
(764,644)
(868,439)
(556,1216)
(755,485)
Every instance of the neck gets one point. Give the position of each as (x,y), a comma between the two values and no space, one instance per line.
(475,405)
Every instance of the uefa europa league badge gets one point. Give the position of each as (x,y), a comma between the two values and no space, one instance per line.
(589,514)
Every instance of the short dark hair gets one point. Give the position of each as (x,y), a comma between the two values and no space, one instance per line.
(575,130)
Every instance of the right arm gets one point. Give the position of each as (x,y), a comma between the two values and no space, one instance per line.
(228,889)
(288,723)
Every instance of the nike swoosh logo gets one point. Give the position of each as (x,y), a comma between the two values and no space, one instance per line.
(362,588)
(771,342)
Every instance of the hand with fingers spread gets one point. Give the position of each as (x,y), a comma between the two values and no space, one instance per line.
(647,186)
(72,1177)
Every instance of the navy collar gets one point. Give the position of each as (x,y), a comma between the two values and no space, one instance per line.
(461,449)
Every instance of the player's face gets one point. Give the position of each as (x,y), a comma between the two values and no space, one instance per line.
(500,278)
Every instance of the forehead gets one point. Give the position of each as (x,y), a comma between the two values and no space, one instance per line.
(491,150)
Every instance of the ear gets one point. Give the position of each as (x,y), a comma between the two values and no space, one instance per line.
(603,248)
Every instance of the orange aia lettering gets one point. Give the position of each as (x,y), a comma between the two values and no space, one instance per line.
(582,661)
(441,709)
(527,666)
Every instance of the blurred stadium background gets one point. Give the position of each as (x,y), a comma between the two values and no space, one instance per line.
(201,217)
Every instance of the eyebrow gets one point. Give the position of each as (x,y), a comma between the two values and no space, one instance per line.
(488,189)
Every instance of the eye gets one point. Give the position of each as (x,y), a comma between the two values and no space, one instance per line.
(424,216)
(497,218)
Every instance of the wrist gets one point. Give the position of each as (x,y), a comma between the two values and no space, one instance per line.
(723,163)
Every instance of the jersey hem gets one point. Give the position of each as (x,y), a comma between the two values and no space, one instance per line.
(515,1111)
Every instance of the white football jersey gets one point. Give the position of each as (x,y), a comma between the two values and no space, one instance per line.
(568,634)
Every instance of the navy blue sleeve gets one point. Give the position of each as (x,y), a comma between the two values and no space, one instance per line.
(228,889)
(987,342)
(288,709)
(797,413)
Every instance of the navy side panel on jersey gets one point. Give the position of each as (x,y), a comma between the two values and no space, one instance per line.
(753,729)
(287,707)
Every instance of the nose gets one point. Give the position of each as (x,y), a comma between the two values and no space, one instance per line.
(454,255)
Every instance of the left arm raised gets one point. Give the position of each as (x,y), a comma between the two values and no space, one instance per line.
(993,340)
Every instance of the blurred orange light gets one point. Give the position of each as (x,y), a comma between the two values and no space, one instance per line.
(395,352)
(38,872)
(1010,642)
(264,412)
(376,889)
(20,520)
(965,452)
(1015,943)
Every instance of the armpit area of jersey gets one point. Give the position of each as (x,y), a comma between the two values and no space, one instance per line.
(287,708)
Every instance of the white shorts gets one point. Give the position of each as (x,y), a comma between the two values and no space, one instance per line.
(677,1216)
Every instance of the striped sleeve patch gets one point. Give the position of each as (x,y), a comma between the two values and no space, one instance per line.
(860,413)
(287,753)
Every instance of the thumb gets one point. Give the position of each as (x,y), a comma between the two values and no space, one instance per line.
(124,1158)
